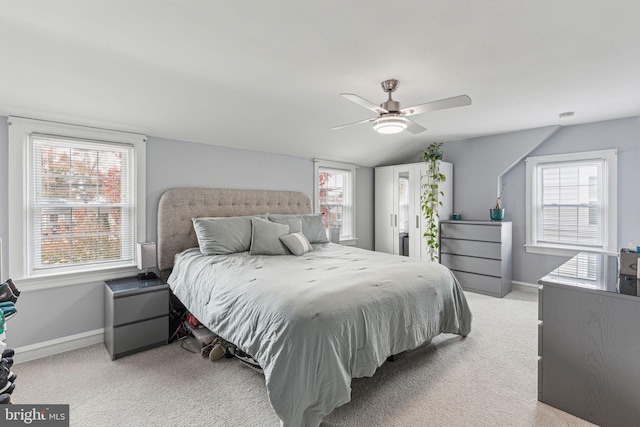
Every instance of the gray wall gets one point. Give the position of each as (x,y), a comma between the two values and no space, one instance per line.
(55,313)
(480,163)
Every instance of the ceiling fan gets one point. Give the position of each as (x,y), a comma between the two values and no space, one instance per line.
(391,118)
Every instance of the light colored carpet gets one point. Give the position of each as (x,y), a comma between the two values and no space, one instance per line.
(486,379)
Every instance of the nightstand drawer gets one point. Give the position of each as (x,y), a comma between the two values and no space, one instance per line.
(137,336)
(140,307)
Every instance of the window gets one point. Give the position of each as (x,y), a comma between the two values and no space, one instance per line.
(76,201)
(335,198)
(571,203)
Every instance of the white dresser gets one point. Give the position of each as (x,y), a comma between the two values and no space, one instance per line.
(479,254)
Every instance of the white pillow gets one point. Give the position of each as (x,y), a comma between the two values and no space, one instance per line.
(296,243)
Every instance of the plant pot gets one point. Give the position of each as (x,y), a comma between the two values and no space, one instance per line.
(496,214)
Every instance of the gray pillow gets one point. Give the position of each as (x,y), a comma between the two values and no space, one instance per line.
(224,235)
(265,237)
(296,243)
(295,223)
(312,226)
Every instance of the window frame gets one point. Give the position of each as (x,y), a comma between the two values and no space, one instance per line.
(20,157)
(347,167)
(610,190)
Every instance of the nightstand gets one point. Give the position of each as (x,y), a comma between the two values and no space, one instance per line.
(136,315)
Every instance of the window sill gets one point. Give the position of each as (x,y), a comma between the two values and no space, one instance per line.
(348,242)
(70,279)
(567,251)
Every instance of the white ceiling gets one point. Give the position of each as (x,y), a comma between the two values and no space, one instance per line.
(265,75)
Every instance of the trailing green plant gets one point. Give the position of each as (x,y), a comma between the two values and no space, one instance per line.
(430,197)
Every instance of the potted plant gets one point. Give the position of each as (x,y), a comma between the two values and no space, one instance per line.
(430,197)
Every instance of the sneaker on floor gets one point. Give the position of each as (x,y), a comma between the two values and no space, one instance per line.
(5,399)
(13,287)
(8,361)
(216,352)
(206,350)
(9,389)
(6,387)
(8,310)
(6,376)
(6,294)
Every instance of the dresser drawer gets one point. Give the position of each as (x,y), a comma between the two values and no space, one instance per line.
(467,264)
(488,233)
(140,307)
(136,336)
(478,283)
(471,248)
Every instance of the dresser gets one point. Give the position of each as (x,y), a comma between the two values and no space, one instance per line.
(479,254)
(589,341)
(136,315)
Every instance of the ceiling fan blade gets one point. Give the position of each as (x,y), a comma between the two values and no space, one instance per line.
(363,102)
(356,123)
(413,127)
(456,101)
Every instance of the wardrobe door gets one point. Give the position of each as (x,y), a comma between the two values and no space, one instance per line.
(403,204)
(385,217)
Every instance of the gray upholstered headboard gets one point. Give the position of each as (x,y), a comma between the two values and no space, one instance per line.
(178,206)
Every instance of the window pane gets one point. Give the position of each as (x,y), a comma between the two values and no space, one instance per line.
(80,213)
(334,198)
(570,203)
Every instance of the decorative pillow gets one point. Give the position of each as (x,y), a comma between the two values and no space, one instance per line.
(265,237)
(295,223)
(224,235)
(296,243)
(312,226)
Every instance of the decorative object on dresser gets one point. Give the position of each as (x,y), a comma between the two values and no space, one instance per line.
(399,223)
(479,254)
(497,213)
(430,198)
(136,315)
(588,340)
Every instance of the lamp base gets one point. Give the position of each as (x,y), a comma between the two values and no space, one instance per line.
(149,275)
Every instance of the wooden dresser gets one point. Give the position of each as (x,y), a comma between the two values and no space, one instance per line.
(479,254)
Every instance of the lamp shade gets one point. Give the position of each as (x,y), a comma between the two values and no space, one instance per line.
(146,255)
(390,124)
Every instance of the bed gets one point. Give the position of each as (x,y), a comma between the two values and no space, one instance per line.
(314,321)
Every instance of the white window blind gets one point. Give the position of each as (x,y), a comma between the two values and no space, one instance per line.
(81,207)
(572,202)
(571,208)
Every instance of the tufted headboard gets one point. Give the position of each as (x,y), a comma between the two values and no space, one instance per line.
(178,206)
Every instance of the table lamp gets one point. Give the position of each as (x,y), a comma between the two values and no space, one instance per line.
(146,260)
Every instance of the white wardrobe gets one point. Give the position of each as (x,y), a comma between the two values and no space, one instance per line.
(399,223)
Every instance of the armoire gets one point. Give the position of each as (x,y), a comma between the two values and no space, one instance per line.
(399,223)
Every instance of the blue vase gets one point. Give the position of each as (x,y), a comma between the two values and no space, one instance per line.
(496,214)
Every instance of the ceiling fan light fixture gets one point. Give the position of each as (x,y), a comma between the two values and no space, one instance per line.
(390,124)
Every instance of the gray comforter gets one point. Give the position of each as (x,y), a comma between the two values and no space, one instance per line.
(316,321)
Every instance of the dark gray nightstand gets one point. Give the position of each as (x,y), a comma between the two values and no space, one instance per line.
(136,315)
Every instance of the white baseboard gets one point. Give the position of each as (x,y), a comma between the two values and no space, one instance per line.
(58,345)
(524,286)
